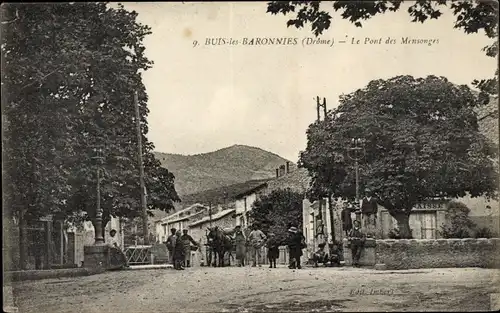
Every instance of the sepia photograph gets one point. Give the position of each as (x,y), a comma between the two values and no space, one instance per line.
(253,156)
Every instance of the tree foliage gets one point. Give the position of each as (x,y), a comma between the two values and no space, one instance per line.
(470,16)
(458,223)
(422,141)
(273,212)
(70,71)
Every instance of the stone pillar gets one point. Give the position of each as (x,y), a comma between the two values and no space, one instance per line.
(368,256)
(97,256)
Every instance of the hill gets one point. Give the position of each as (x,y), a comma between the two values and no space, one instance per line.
(224,167)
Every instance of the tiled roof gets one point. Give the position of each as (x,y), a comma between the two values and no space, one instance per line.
(214,217)
(223,194)
(179,216)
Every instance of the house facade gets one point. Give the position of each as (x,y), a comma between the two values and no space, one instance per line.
(178,220)
(224,219)
(243,204)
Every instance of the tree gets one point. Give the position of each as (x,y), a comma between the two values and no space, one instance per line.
(69,73)
(421,142)
(471,17)
(458,223)
(274,211)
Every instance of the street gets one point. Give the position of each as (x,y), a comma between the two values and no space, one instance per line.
(263,290)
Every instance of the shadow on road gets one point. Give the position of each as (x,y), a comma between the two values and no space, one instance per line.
(292,306)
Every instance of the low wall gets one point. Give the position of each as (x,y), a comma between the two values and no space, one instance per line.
(435,253)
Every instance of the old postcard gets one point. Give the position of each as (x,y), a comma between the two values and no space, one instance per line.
(280,156)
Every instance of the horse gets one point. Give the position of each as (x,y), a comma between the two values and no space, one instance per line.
(220,243)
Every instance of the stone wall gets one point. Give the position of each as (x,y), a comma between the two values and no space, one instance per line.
(435,253)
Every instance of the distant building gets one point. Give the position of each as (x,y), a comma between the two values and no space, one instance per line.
(179,220)
(244,201)
(292,177)
(225,219)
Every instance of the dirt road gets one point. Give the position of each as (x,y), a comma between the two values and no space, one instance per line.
(263,290)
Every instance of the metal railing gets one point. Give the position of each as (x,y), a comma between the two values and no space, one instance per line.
(138,255)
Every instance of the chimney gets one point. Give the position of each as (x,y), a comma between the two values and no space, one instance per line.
(277,173)
(282,170)
(287,167)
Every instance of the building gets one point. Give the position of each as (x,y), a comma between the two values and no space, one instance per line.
(425,220)
(224,219)
(292,177)
(244,201)
(51,243)
(179,220)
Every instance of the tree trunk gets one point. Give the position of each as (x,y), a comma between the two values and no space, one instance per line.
(403,220)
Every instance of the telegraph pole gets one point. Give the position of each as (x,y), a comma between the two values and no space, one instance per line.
(145,229)
(210,213)
(332,221)
(320,105)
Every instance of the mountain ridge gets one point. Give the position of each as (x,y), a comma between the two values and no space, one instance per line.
(222,167)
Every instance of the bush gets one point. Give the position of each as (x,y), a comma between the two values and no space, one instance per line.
(458,223)
(394,234)
(483,232)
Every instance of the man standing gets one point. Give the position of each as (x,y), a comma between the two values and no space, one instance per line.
(369,209)
(356,241)
(273,251)
(178,252)
(171,240)
(257,240)
(240,242)
(186,243)
(295,246)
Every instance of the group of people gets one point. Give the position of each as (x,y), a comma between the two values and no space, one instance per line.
(256,239)
(179,248)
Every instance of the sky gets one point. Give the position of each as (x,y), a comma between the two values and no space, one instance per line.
(206,98)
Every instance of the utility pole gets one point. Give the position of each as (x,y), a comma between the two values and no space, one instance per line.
(145,230)
(320,105)
(210,213)
(320,208)
(331,217)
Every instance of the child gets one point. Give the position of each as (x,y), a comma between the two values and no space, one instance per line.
(356,241)
(320,256)
(272,250)
(335,254)
(118,256)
